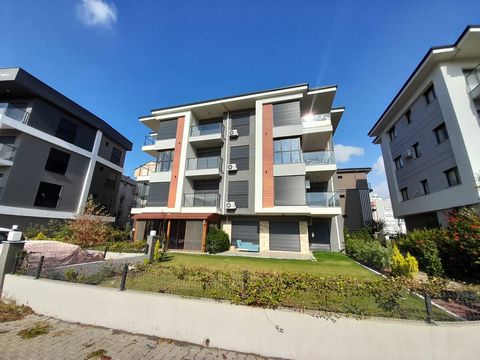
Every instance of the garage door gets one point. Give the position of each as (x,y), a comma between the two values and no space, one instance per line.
(245,231)
(284,236)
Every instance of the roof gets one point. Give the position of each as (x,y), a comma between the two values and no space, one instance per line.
(426,58)
(26,83)
(354,170)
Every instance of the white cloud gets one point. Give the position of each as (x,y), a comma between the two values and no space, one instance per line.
(381,189)
(379,166)
(343,153)
(97,13)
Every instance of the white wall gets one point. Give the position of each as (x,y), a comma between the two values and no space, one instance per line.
(275,333)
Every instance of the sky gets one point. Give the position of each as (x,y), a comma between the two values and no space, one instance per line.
(120,59)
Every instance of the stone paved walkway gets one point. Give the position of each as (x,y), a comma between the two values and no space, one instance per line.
(67,341)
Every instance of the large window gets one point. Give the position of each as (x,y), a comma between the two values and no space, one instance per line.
(441,133)
(238,192)
(430,95)
(453,177)
(398,162)
(287,151)
(241,123)
(239,155)
(165,160)
(116,155)
(47,195)
(66,130)
(57,161)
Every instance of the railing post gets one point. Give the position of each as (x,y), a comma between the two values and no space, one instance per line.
(105,252)
(123,283)
(244,283)
(428,307)
(40,266)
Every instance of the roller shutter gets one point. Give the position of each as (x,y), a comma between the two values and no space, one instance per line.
(284,236)
(245,231)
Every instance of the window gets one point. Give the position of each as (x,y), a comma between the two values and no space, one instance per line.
(339,177)
(430,95)
(57,161)
(287,151)
(239,155)
(47,195)
(238,192)
(408,116)
(392,133)
(453,177)
(441,133)
(398,162)
(165,160)
(425,187)
(416,151)
(404,193)
(241,123)
(66,130)
(116,155)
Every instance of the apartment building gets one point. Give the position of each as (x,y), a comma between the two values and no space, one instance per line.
(125,201)
(429,135)
(382,211)
(354,190)
(53,153)
(258,165)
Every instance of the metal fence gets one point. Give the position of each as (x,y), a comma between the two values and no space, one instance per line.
(329,295)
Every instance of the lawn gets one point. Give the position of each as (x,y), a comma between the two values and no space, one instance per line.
(327,264)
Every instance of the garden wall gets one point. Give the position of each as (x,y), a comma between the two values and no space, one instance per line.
(274,333)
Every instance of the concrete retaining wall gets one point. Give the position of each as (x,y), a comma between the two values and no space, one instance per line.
(275,333)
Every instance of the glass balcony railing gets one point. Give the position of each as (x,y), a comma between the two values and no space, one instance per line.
(150,139)
(312,120)
(201,200)
(323,199)
(473,79)
(211,162)
(13,112)
(206,129)
(7,152)
(318,158)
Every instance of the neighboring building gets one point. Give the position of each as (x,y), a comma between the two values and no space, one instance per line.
(259,165)
(382,211)
(145,169)
(354,190)
(125,200)
(53,153)
(430,135)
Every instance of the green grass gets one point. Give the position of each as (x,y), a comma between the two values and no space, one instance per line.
(327,264)
(40,328)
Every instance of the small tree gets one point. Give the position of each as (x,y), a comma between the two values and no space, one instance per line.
(88,228)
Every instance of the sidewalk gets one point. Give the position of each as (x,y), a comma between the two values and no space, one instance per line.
(66,341)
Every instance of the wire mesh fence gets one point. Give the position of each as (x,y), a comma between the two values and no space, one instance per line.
(392,298)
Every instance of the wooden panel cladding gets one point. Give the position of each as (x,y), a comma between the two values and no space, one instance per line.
(172,194)
(267,156)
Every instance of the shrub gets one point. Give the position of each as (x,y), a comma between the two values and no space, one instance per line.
(460,250)
(40,236)
(217,241)
(403,266)
(367,251)
(423,244)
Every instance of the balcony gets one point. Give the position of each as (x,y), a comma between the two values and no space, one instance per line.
(150,139)
(7,153)
(316,131)
(473,81)
(207,135)
(205,167)
(323,199)
(201,200)
(152,145)
(320,164)
(318,120)
(13,112)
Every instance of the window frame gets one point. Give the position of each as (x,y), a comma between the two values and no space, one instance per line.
(400,162)
(52,165)
(392,133)
(62,130)
(287,151)
(236,160)
(166,163)
(425,186)
(430,91)
(416,150)
(441,129)
(457,176)
(404,194)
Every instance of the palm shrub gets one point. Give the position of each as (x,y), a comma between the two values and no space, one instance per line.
(368,251)
(217,241)
(406,266)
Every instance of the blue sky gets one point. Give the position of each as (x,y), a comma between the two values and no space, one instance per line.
(120,59)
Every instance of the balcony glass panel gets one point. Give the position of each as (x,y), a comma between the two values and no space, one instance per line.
(13,112)
(201,200)
(211,162)
(323,199)
(206,129)
(318,158)
(7,152)
(312,120)
(150,139)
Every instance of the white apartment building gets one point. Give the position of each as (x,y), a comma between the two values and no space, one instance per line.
(382,211)
(430,135)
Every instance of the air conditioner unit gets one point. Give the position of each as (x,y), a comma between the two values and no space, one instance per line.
(409,153)
(230,205)
(232,167)
(233,133)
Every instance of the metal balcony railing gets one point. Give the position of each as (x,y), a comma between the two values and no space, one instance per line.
(211,162)
(323,199)
(207,129)
(13,112)
(7,152)
(150,139)
(319,158)
(473,79)
(312,120)
(201,200)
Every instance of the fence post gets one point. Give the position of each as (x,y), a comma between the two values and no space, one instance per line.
(105,252)
(244,283)
(123,283)
(15,263)
(428,307)
(40,266)
(145,250)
